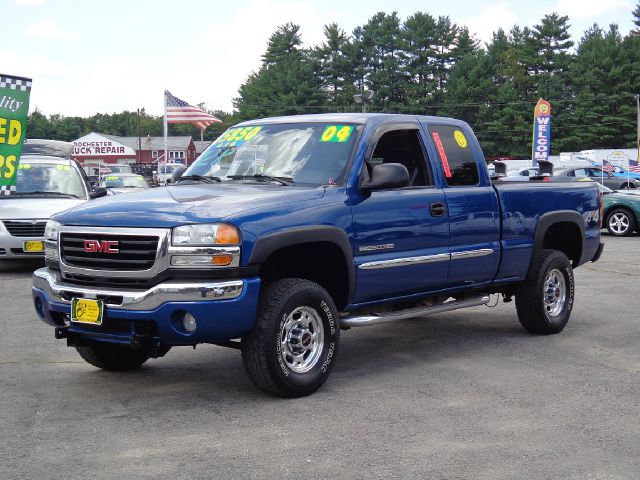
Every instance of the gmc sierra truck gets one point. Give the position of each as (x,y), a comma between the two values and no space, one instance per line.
(287,230)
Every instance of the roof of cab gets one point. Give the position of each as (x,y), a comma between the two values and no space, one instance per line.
(360,118)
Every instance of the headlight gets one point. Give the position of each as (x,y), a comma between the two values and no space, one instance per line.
(212,234)
(51,231)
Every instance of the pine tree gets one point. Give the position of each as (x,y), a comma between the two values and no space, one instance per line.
(636,18)
(418,55)
(336,67)
(382,47)
(288,81)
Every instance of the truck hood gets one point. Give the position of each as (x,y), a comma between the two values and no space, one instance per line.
(28,208)
(182,204)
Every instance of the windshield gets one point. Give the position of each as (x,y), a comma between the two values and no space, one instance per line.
(49,178)
(307,153)
(122,181)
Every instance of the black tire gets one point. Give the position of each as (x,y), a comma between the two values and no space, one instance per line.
(535,313)
(276,334)
(115,358)
(623,215)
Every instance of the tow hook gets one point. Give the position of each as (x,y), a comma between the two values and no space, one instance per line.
(60,333)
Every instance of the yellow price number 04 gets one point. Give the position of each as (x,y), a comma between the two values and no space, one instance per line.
(336,133)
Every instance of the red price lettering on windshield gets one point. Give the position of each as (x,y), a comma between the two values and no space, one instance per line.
(443,154)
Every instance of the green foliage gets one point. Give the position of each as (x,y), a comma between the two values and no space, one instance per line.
(430,65)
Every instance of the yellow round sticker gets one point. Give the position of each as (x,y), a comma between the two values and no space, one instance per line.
(461,140)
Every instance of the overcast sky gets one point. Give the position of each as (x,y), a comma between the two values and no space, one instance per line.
(96,56)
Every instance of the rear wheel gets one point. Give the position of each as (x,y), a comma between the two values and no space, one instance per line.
(292,348)
(112,357)
(544,302)
(621,222)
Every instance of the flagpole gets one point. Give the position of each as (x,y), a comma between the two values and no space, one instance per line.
(201,140)
(165,129)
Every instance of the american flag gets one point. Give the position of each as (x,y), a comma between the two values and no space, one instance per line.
(179,111)
(607,167)
(633,166)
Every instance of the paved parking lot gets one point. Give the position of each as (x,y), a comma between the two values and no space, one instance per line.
(466,394)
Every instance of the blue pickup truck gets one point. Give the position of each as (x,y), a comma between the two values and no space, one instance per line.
(288,230)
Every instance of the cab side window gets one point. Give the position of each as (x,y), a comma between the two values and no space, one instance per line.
(454,149)
(404,147)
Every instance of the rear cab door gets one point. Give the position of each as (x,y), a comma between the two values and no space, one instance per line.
(472,203)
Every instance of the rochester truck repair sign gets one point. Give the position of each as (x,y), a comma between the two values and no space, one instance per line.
(14,110)
(541,131)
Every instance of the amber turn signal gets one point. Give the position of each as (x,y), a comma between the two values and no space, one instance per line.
(221,260)
(227,235)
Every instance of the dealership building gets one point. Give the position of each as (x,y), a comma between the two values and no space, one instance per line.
(97,148)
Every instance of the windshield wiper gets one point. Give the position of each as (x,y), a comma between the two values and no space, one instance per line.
(200,178)
(38,192)
(265,178)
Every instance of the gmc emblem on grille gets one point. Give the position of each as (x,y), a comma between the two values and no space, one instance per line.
(105,246)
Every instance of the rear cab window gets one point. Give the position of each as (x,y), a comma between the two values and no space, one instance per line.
(455,154)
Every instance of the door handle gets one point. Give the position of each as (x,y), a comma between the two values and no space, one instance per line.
(437,209)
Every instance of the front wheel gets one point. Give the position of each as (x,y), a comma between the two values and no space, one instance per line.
(620,222)
(292,348)
(545,300)
(116,358)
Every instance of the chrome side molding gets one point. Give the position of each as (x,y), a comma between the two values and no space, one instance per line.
(367,320)
(440,257)
(401,262)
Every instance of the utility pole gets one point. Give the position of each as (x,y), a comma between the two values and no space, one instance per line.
(139,153)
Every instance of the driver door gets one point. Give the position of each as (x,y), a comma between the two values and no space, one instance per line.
(401,236)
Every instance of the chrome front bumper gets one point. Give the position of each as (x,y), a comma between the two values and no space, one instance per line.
(49,281)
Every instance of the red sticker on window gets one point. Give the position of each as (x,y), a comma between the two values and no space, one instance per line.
(443,154)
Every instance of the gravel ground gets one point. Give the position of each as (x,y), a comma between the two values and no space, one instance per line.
(466,394)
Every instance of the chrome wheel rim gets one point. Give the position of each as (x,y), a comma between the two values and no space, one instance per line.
(555,292)
(619,223)
(302,339)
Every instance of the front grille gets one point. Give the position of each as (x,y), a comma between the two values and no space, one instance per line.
(118,282)
(25,228)
(136,252)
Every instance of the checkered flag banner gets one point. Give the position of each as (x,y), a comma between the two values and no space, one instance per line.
(15,83)
(14,112)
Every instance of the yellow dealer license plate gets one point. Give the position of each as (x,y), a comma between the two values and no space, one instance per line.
(33,246)
(85,310)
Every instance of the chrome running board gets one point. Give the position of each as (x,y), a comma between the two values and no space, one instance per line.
(374,319)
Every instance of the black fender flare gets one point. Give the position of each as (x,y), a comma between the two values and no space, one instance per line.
(551,218)
(266,245)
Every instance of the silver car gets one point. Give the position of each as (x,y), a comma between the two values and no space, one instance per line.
(45,185)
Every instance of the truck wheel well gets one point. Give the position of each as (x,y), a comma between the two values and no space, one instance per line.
(320,262)
(566,238)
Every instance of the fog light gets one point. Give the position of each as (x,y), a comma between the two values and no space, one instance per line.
(189,322)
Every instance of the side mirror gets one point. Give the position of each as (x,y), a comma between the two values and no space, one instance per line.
(177,173)
(386,175)
(98,192)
